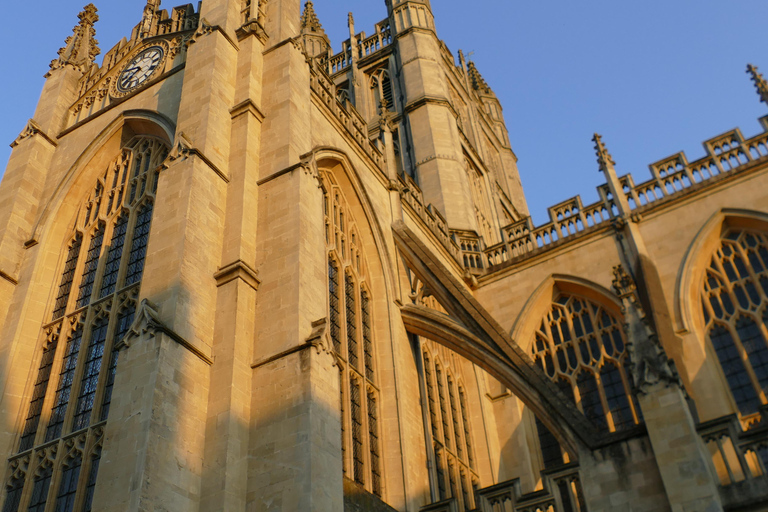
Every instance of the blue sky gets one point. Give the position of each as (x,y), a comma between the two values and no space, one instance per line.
(653,77)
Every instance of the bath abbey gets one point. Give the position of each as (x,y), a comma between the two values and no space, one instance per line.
(241,270)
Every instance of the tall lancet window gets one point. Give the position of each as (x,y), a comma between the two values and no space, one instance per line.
(733,302)
(581,346)
(448,424)
(92,307)
(351,332)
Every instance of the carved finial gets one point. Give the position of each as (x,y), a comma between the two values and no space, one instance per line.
(760,83)
(81,48)
(147,20)
(478,82)
(649,363)
(604,158)
(309,19)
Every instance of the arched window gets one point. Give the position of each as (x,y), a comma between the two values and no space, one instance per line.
(351,332)
(581,346)
(381,88)
(93,308)
(733,301)
(449,427)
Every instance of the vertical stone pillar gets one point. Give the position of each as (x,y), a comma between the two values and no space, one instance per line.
(225,469)
(171,357)
(680,453)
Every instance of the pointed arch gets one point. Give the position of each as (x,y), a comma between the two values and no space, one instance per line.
(126,125)
(541,299)
(696,261)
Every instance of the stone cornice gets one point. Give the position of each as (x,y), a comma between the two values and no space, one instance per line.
(31,130)
(237,270)
(247,107)
(8,278)
(147,323)
(206,28)
(184,149)
(317,339)
(428,100)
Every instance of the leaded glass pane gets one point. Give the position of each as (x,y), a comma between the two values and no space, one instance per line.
(90,378)
(91,265)
(13,496)
(67,277)
(65,499)
(40,491)
(373,439)
(590,402)
(66,378)
(139,245)
(356,415)
(335,313)
(91,486)
(114,256)
(351,314)
(733,368)
(616,396)
(38,396)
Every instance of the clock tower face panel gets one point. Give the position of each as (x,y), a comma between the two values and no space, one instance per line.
(140,69)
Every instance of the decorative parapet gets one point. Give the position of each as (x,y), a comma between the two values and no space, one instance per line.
(671,178)
(739,458)
(410,194)
(349,118)
(381,38)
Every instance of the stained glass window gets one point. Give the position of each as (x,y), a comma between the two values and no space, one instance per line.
(85,330)
(351,333)
(581,346)
(733,297)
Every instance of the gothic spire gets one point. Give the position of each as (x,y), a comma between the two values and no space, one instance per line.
(760,83)
(148,18)
(309,19)
(81,48)
(478,82)
(604,158)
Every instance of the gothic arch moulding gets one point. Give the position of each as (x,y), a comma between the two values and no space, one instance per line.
(125,126)
(540,301)
(337,163)
(688,310)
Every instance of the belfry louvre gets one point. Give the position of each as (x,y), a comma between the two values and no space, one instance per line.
(241,271)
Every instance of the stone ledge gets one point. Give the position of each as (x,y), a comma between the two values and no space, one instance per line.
(237,270)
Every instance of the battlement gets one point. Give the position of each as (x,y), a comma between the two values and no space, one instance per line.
(364,45)
(672,178)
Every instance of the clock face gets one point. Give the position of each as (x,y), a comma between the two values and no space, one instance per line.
(141,67)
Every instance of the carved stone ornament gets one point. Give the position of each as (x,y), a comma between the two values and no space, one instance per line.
(32,129)
(318,339)
(649,363)
(147,324)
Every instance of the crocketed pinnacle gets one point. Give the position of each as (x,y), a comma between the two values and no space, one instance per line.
(760,83)
(309,19)
(81,48)
(604,158)
(478,82)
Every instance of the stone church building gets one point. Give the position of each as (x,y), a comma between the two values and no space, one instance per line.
(240,271)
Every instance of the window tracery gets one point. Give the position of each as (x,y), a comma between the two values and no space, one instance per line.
(451,457)
(381,88)
(92,309)
(733,301)
(351,333)
(581,346)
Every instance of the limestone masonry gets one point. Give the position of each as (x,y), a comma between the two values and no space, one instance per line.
(242,272)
